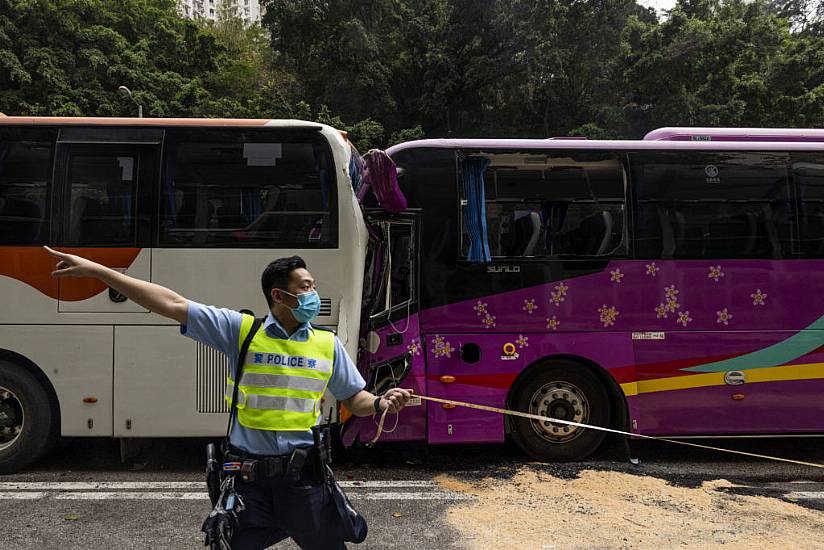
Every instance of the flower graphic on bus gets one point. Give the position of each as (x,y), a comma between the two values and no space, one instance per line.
(661,311)
(652,269)
(684,318)
(480,307)
(414,347)
(671,292)
(441,347)
(724,316)
(616,276)
(715,273)
(672,305)
(488,321)
(559,294)
(553,323)
(608,315)
(758,298)
(530,305)
(522,341)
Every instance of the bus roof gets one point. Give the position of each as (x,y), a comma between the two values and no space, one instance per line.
(633,145)
(195,122)
(735,134)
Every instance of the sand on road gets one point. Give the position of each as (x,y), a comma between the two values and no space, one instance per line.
(606,509)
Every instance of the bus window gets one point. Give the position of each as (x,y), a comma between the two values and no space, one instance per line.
(102,197)
(396,254)
(25,174)
(808,173)
(224,188)
(546,206)
(711,205)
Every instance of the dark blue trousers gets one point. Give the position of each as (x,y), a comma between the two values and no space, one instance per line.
(277,509)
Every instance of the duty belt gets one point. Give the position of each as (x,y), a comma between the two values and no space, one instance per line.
(301,463)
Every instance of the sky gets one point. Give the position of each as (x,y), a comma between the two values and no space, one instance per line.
(658,4)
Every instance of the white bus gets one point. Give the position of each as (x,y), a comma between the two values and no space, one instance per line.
(198,205)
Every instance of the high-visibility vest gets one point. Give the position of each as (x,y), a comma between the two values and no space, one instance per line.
(282,380)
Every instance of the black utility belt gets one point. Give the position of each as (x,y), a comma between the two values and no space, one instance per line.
(301,462)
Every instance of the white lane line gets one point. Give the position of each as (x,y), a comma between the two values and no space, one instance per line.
(173,495)
(805,495)
(90,486)
(412,496)
(135,485)
(21,496)
(385,484)
(130,496)
(435,495)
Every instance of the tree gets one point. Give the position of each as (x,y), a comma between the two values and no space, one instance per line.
(68,57)
(732,63)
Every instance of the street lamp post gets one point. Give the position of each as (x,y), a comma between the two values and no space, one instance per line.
(127,92)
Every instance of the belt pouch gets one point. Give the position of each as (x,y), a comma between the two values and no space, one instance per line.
(296,463)
(247,471)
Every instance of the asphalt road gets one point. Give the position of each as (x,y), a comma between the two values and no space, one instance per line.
(83,496)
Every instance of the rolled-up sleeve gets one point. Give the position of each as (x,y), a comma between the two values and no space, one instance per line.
(218,328)
(346,381)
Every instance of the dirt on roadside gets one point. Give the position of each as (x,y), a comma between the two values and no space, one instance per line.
(606,510)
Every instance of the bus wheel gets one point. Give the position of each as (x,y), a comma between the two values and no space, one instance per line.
(567,391)
(25,418)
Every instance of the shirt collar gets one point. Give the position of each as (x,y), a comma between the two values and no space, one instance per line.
(274,328)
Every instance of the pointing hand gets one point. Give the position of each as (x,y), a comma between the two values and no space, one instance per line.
(69,265)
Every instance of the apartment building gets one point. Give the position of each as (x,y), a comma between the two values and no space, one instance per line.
(248,10)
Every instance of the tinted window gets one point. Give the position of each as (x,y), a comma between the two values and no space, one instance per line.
(561,204)
(808,172)
(103,188)
(247,189)
(25,175)
(712,205)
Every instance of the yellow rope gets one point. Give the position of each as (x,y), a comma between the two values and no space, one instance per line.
(600,428)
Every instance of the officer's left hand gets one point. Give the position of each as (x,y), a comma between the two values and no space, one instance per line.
(395,399)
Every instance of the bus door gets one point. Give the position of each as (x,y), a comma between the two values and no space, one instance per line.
(392,351)
(107,177)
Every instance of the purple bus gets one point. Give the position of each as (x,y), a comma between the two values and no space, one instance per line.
(736,134)
(663,287)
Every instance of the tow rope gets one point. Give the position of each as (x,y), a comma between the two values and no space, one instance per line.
(592,427)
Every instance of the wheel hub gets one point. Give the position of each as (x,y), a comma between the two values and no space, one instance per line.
(7,415)
(11,418)
(563,401)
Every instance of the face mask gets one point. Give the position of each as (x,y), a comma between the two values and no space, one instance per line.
(308,306)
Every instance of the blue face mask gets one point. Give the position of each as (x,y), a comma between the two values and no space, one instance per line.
(308,306)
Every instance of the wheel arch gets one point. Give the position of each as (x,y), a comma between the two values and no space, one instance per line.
(619,409)
(25,363)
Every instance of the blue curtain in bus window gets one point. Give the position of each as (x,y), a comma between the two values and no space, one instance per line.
(252,204)
(474,213)
(355,170)
(121,194)
(320,166)
(169,184)
(4,152)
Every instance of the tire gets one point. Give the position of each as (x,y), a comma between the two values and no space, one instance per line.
(567,391)
(27,422)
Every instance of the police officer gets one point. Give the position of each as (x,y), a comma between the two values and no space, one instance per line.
(268,427)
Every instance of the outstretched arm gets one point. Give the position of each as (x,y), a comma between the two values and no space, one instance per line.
(156,298)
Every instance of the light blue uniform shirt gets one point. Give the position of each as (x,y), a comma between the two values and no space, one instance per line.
(219,328)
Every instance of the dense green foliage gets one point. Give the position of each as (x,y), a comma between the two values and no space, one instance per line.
(392,70)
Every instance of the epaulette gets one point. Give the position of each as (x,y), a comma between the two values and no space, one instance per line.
(327,329)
